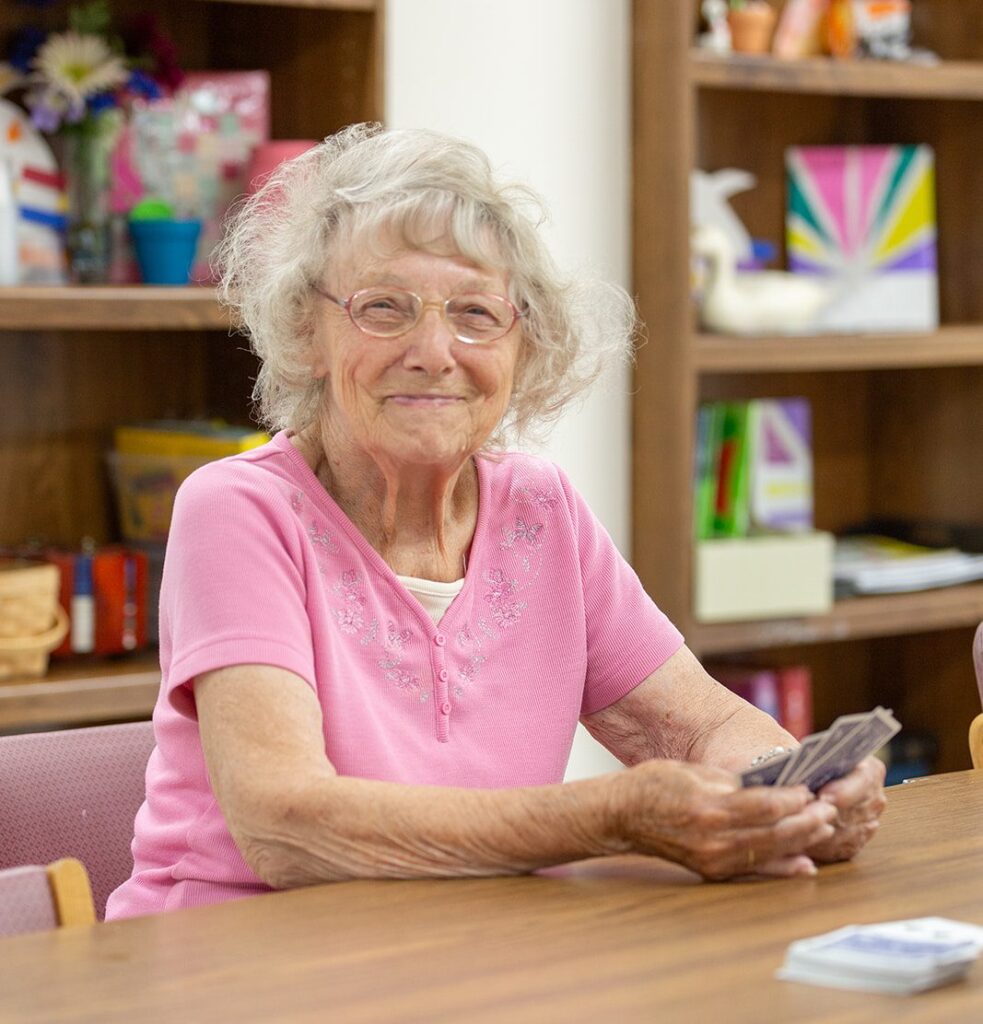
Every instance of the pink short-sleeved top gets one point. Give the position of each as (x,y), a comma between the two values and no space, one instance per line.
(263,567)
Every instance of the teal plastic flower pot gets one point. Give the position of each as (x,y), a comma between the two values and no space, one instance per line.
(165,249)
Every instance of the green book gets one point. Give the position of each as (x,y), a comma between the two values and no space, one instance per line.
(731,509)
(709,421)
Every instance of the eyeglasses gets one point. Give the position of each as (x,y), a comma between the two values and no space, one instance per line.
(389,312)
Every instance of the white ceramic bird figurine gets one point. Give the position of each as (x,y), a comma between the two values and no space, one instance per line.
(754,302)
(710,193)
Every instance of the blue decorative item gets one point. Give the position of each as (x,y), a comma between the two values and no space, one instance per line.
(165,249)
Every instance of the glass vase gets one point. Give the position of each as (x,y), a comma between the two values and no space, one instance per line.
(85,156)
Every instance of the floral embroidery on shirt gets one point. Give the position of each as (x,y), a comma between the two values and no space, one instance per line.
(369,635)
(350,586)
(522,531)
(297,500)
(472,645)
(536,496)
(322,538)
(505,608)
(522,562)
(351,620)
(349,616)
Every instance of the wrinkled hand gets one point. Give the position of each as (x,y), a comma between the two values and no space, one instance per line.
(859,801)
(701,818)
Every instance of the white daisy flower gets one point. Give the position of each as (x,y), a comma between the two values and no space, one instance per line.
(79,65)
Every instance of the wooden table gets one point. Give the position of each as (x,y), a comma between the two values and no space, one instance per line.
(605,941)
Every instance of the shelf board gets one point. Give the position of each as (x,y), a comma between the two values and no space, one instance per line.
(324,5)
(74,693)
(113,307)
(952,345)
(956,80)
(857,618)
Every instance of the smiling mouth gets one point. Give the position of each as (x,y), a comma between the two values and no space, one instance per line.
(429,401)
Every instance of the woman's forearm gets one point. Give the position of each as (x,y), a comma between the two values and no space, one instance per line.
(332,828)
(739,737)
(680,712)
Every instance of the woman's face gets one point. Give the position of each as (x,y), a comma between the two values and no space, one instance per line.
(424,398)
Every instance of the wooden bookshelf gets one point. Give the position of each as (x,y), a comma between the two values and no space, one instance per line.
(948,79)
(82,692)
(858,618)
(320,5)
(122,308)
(77,361)
(954,345)
(897,418)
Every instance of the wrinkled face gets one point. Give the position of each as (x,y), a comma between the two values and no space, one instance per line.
(424,398)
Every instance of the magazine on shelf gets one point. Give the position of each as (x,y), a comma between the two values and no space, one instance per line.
(873,564)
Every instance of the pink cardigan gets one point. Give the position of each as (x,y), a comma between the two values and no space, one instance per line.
(263,567)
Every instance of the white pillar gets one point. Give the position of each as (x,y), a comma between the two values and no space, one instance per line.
(543,86)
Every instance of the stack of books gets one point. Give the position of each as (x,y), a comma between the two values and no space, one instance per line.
(757,555)
(150,461)
(873,564)
(753,471)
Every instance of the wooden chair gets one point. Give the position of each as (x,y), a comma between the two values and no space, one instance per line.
(74,793)
(33,898)
(976,726)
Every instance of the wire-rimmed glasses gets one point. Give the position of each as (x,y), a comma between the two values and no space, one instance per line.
(386,312)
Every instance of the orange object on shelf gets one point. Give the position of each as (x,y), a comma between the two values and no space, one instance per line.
(800,29)
(119,594)
(841,29)
(751,26)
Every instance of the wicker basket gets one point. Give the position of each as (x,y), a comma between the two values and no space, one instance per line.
(32,622)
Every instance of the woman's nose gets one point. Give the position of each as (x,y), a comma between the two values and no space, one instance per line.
(429,345)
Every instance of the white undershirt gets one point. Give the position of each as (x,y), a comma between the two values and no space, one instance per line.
(435,596)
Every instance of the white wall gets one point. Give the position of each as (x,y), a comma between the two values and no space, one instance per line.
(543,87)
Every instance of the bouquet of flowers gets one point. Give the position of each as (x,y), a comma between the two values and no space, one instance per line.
(77,85)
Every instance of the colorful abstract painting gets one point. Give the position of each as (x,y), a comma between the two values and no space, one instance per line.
(865,216)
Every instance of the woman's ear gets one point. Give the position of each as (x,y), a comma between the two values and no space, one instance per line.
(319,368)
(317,354)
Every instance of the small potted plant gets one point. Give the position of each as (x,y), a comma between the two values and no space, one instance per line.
(752,23)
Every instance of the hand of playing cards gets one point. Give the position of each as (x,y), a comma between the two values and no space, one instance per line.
(827,755)
(900,957)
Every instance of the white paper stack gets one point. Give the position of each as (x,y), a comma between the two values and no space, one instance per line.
(899,957)
(870,564)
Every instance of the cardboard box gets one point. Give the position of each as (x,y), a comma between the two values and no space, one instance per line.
(863,218)
(766,577)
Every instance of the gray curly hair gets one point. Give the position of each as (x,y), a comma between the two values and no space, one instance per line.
(425,190)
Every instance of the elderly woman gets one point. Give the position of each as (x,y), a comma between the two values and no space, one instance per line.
(379,631)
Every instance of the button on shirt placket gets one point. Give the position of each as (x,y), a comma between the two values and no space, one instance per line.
(442,702)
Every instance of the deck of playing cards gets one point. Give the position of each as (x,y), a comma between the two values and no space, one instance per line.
(827,755)
(897,957)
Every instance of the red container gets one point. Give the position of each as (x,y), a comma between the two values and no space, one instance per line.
(119,594)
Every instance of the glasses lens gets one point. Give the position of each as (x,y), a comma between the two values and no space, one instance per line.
(480,317)
(385,312)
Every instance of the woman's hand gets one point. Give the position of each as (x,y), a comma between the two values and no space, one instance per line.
(859,801)
(701,818)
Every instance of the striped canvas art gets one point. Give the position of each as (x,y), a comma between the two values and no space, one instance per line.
(865,216)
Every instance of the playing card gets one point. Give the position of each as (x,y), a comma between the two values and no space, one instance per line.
(765,774)
(883,948)
(838,761)
(828,740)
(827,755)
(794,766)
(895,956)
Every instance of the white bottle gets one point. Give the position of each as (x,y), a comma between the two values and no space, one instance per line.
(9,217)
(83,604)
